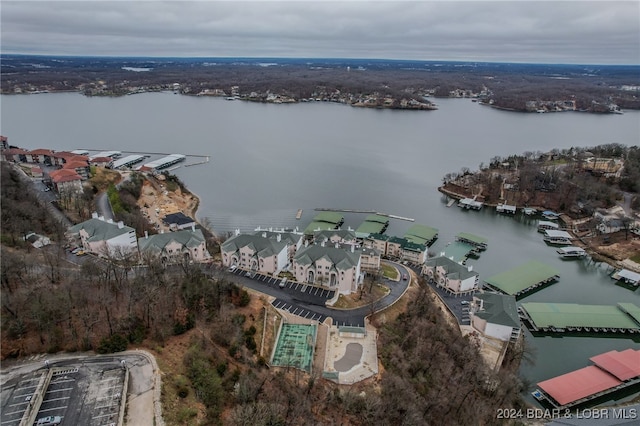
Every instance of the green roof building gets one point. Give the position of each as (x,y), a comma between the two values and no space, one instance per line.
(421,234)
(187,244)
(523,279)
(495,315)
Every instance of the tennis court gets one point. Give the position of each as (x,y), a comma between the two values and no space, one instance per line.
(295,346)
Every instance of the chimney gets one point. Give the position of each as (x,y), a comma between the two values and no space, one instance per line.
(94,215)
(337,245)
(264,235)
(120,224)
(279,237)
(470,268)
(109,220)
(193,227)
(101,218)
(146,235)
(353,248)
(306,243)
(322,243)
(237,231)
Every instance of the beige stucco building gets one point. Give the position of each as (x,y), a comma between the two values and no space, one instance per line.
(175,247)
(256,253)
(329,266)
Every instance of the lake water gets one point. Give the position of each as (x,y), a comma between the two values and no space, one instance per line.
(268,161)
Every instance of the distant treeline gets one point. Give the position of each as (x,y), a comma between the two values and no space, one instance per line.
(511,86)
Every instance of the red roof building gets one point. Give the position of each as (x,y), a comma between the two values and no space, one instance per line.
(624,365)
(66,180)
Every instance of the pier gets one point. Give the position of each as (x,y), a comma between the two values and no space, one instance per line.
(299,214)
(391,216)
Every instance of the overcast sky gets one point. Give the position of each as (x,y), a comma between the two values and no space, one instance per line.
(587,32)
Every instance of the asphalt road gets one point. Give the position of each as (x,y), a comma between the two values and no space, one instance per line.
(309,302)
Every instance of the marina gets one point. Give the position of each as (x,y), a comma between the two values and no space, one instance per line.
(458,251)
(573,317)
(110,154)
(127,161)
(324,221)
(612,371)
(523,279)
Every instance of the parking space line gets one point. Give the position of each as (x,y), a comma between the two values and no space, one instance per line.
(104,415)
(56,399)
(58,390)
(63,407)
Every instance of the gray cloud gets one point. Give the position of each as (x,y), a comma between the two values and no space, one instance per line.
(541,31)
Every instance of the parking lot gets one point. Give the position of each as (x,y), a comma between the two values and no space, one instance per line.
(296,289)
(457,304)
(88,393)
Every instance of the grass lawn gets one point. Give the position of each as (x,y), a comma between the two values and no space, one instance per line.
(389,271)
(354,300)
(636,257)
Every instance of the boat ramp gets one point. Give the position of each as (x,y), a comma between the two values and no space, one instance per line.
(612,371)
(523,279)
(572,317)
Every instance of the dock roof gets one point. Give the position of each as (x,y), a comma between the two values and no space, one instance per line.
(522,277)
(553,233)
(367,228)
(473,238)
(562,315)
(624,365)
(318,226)
(578,384)
(421,234)
(458,251)
(330,217)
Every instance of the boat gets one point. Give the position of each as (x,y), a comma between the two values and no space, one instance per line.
(571,252)
(529,211)
(560,238)
(549,215)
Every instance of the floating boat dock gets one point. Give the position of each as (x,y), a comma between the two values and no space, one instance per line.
(543,225)
(506,208)
(572,317)
(324,221)
(523,279)
(470,204)
(475,240)
(373,224)
(299,214)
(110,154)
(561,238)
(628,277)
(613,371)
(164,162)
(421,234)
(391,216)
(458,251)
(127,161)
(571,252)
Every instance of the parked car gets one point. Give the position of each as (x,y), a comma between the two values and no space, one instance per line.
(232,268)
(283,283)
(49,420)
(405,277)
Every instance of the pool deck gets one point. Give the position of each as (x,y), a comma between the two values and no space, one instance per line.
(351,355)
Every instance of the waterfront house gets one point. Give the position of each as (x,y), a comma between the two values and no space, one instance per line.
(41,156)
(398,248)
(103,161)
(175,247)
(79,166)
(256,253)
(105,237)
(333,267)
(495,315)
(177,221)
(451,276)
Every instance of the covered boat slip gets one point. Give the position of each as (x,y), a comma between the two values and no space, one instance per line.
(612,371)
(324,221)
(627,276)
(421,234)
(571,252)
(373,224)
(522,279)
(544,224)
(571,317)
(457,251)
(553,236)
(474,240)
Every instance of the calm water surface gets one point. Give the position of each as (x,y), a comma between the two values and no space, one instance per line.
(268,161)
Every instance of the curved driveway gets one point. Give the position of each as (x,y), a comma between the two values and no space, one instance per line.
(293,299)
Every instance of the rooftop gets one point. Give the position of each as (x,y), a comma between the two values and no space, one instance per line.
(101,230)
(421,234)
(188,238)
(341,258)
(261,245)
(563,315)
(499,309)
(518,279)
(472,238)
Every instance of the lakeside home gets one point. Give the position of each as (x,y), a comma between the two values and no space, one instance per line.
(450,275)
